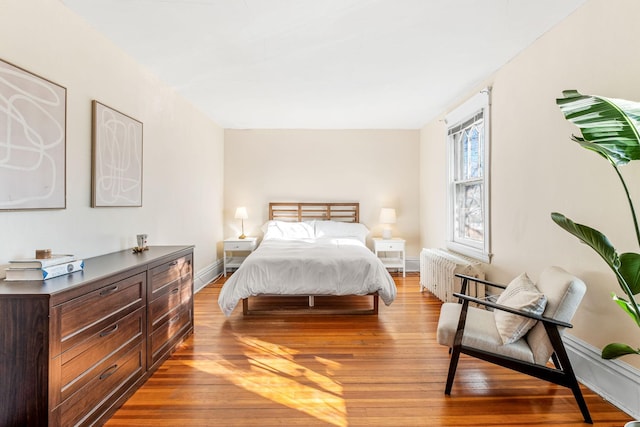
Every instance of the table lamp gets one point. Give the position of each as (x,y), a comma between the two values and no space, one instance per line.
(387,217)
(241,214)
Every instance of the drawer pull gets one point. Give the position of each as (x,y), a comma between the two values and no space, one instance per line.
(108,291)
(174,319)
(109,332)
(172,263)
(175,291)
(109,371)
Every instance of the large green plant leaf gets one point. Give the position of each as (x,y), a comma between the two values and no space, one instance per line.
(609,126)
(626,267)
(591,237)
(630,270)
(628,307)
(615,350)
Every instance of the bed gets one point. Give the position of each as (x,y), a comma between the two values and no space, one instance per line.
(310,250)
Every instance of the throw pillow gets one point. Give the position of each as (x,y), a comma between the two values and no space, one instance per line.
(520,294)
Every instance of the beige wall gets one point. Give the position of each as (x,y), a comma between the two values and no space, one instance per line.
(537,169)
(183,149)
(378,168)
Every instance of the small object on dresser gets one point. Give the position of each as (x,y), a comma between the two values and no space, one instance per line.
(44,272)
(43,253)
(142,240)
(44,262)
(142,243)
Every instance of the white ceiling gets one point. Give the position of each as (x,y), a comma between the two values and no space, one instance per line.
(323,64)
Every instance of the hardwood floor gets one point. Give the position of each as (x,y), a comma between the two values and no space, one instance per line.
(287,369)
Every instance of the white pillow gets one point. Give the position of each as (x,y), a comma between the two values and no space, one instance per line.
(353,230)
(288,230)
(520,294)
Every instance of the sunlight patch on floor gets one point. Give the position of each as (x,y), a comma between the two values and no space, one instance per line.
(273,373)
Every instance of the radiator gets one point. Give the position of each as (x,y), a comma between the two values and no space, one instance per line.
(437,273)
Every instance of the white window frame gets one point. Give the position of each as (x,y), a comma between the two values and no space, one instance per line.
(479,250)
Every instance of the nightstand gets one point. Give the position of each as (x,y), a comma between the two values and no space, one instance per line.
(393,252)
(231,247)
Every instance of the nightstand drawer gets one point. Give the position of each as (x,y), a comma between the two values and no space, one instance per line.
(248,245)
(389,246)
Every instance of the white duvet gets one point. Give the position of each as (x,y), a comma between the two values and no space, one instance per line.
(322,266)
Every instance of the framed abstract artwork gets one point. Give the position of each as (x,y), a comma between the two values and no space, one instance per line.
(33,131)
(116,158)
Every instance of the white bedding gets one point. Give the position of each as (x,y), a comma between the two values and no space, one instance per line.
(312,266)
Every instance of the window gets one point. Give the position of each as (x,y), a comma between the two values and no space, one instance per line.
(468,182)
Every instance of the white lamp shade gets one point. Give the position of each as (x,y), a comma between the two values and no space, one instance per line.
(388,216)
(241,213)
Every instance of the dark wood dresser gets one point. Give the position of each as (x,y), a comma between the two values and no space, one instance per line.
(74,348)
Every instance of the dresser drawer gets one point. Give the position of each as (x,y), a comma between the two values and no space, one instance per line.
(165,334)
(79,363)
(389,246)
(82,317)
(164,274)
(115,374)
(167,299)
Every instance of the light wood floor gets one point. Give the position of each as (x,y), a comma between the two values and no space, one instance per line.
(340,370)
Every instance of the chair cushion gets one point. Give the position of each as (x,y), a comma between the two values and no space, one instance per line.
(564,293)
(480,332)
(520,294)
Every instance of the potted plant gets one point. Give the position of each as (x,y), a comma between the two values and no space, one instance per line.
(611,128)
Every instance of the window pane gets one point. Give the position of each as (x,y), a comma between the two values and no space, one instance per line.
(469,153)
(468,212)
(475,163)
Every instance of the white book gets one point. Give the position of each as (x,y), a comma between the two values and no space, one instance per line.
(45,272)
(40,263)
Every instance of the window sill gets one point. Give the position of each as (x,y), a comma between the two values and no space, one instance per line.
(471,252)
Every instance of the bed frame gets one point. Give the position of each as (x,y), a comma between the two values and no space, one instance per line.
(345,212)
(305,211)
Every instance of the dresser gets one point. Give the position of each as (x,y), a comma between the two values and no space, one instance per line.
(75,347)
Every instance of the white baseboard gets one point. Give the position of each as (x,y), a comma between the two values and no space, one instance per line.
(203,277)
(614,380)
(412,264)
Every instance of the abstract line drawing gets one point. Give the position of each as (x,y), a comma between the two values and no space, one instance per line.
(32,141)
(117,158)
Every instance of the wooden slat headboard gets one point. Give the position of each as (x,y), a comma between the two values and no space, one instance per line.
(294,211)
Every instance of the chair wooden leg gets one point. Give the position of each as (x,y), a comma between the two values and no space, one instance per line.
(561,360)
(580,400)
(453,365)
(457,344)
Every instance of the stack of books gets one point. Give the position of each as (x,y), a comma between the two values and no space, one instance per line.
(43,269)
